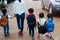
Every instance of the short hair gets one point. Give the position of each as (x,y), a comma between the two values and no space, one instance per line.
(41,15)
(4,11)
(31,10)
(49,15)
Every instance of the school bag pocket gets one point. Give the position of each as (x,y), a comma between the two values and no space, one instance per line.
(50,28)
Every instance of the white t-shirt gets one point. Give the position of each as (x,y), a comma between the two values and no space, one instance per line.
(42,21)
(19,7)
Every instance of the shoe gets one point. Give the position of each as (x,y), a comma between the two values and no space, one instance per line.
(5,35)
(21,33)
(49,36)
(29,34)
(44,39)
(32,38)
(8,34)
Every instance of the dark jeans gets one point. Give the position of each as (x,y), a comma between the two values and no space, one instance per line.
(6,30)
(31,30)
(20,21)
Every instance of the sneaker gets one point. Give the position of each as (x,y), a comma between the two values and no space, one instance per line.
(30,34)
(44,39)
(5,35)
(32,38)
(21,33)
(8,34)
(49,36)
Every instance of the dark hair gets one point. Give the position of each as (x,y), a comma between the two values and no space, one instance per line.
(41,15)
(4,11)
(31,10)
(49,15)
(19,0)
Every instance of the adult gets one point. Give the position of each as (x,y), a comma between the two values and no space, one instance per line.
(19,9)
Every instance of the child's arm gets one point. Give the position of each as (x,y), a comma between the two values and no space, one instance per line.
(10,17)
(13,16)
(37,24)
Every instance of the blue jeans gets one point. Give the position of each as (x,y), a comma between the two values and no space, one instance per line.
(6,30)
(20,21)
(31,31)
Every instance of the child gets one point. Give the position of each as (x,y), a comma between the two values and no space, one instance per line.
(50,16)
(31,21)
(6,29)
(49,25)
(41,25)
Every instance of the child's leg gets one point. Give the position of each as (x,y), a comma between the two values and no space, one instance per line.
(29,31)
(44,37)
(5,33)
(49,34)
(32,33)
(38,33)
(8,29)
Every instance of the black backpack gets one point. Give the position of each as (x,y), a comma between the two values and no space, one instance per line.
(31,20)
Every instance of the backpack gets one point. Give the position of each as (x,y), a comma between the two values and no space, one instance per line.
(42,21)
(31,20)
(50,25)
(4,21)
(42,26)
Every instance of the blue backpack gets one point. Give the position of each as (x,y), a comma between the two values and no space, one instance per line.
(50,25)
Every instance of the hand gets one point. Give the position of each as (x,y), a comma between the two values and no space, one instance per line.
(12,16)
(35,27)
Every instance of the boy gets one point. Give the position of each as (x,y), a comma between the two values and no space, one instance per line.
(31,21)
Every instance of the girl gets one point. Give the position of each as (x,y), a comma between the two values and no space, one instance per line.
(6,29)
(49,25)
(41,25)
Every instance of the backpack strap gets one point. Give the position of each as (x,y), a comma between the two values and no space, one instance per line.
(7,16)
